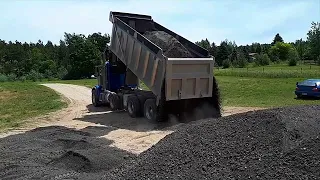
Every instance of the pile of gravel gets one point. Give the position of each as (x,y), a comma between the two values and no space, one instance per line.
(171,47)
(268,144)
(58,153)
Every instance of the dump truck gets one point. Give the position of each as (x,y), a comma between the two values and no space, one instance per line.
(176,74)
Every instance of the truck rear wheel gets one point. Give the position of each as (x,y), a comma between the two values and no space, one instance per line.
(133,106)
(114,102)
(150,109)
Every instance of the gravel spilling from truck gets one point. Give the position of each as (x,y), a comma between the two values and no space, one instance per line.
(171,47)
(267,144)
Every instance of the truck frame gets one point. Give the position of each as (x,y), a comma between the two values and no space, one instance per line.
(183,87)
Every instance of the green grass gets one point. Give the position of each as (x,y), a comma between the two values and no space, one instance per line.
(272,71)
(259,92)
(20,101)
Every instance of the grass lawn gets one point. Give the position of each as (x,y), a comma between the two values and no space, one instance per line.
(272,71)
(259,92)
(19,101)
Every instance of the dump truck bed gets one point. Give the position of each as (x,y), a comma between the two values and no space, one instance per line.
(142,45)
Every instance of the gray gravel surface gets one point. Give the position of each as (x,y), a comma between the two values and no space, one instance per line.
(267,144)
(57,152)
(279,143)
(171,47)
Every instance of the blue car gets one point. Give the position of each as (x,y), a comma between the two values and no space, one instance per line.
(309,87)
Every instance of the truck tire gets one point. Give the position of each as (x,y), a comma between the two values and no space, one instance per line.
(150,109)
(114,102)
(95,99)
(133,106)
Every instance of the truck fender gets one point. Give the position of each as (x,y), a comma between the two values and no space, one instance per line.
(98,90)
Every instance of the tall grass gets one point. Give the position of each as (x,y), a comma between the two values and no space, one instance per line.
(271,72)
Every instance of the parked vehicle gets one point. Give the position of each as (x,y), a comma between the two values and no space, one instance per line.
(308,87)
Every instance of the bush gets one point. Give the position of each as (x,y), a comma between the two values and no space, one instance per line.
(318,60)
(241,61)
(49,75)
(34,76)
(22,78)
(281,50)
(293,57)
(3,78)
(262,60)
(62,72)
(226,63)
(12,77)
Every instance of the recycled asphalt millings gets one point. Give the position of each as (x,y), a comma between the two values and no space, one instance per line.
(171,47)
(279,143)
(57,152)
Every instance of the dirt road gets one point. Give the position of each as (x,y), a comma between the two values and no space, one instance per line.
(133,135)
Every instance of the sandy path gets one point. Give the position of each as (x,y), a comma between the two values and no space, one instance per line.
(133,135)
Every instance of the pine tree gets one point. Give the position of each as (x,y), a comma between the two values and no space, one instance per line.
(276,39)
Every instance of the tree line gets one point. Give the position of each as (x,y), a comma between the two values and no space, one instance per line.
(228,54)
(74,58)
(76,55)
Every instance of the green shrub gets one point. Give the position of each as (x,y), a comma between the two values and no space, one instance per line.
(318,60)
(3,78)
(48,75)
(241,61)
(62,72)
(22,78)
(262,60)
(34,76)
(226,63)
(280,50)
(12,77)
(293,57)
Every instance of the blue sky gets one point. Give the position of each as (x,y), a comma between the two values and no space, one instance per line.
(244,21)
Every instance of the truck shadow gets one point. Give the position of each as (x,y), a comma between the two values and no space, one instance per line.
(57,150)
(120,119)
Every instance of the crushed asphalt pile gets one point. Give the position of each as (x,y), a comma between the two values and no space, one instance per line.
(57,153)
(278,143)
(267,144)
(171,47)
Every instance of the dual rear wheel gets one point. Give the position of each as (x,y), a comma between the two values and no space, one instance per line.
(148,110)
